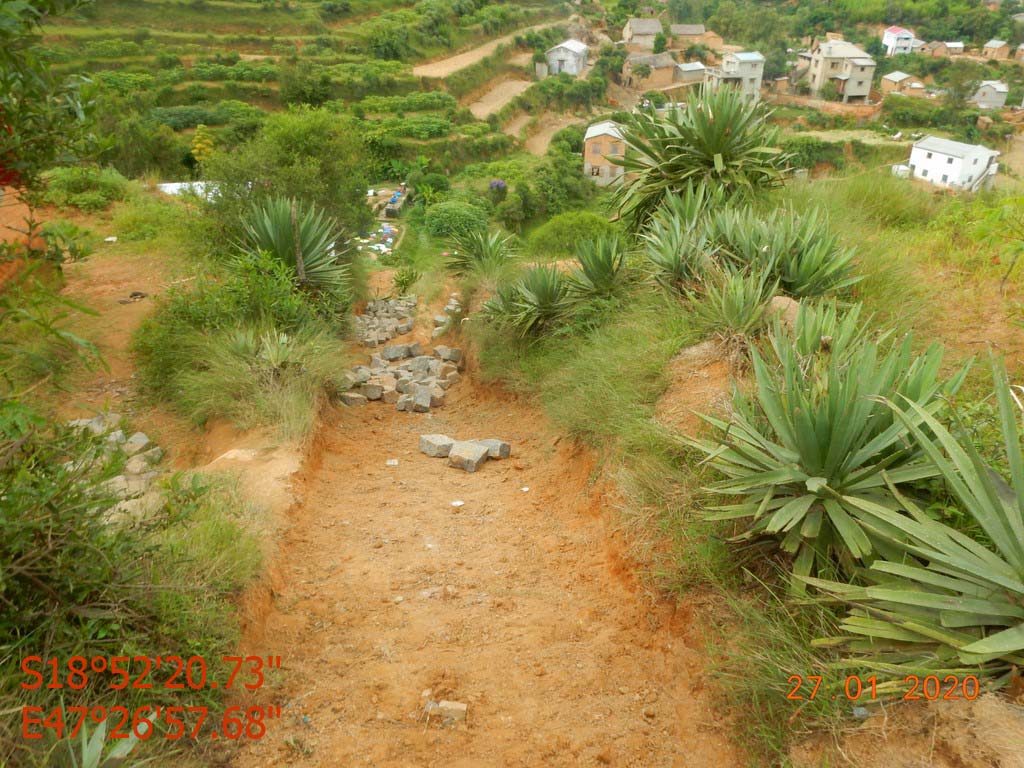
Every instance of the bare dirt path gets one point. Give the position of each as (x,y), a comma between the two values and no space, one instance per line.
(445,67)
(550,124)
(497,97)
(515,126)
(516,603)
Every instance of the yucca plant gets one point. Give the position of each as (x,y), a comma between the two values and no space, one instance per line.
(733,306)
(673,243)
(533,305)
(602,268)
(484,253)
(823,326)
(815,436)
(718,139)
(321,242)
(799,249)
(941,602)
(404,279)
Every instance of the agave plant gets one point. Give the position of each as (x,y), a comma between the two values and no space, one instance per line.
(533,304)
(672,241)
(799,249)
(816,437)
(718,139)
(733,306)
(602,272)
(942,601)
(486,253)
(322,249)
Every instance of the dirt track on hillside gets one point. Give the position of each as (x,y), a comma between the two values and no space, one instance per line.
(497,97)
(444,67)
(517,603)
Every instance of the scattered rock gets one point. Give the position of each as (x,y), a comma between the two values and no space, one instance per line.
(136,443)
(421,399)
(453,710)
(496,449)
(785,308)
(372,391)
(436,446)
(384,319)
(467,456)
(352,398)
(440,320)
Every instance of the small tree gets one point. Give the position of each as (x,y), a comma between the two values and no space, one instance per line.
(660,42)
(829,91)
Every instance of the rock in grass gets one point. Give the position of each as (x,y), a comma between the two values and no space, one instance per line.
(136,443)
(467,455)
(353,398)
(496,449)
(436,446)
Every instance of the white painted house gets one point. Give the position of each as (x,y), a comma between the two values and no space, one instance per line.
(569,57)
(953,164)
(742,71)
(897,40)
(991,94)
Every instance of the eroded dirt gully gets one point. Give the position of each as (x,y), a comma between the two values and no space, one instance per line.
(516,603)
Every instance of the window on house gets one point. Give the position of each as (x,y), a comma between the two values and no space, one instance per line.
(860,83)
(929,155)
(835,65)
(945,178)
(975,161)
(595,170)
(597,149)
(616,149)
(924,173)
(949,161)
(970,179)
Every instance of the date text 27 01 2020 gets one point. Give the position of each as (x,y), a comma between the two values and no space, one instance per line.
(856,688)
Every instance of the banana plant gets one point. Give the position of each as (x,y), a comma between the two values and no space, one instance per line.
(943,601)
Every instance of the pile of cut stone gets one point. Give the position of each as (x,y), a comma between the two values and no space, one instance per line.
(452,310)
(403,375)
(141,457)
(384,319)
(466,455)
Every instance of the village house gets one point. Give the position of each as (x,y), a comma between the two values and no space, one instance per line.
(951,164)
(895,82)
(742,71)
(569,57)
(955,49)
(845,65)
(601,142)
(1019,56)
(690,73)
(991,94)
(897,40)
(640,33)
(996,49)
(649,71)
(935,49)
(685,35)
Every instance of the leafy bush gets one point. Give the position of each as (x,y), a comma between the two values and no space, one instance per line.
(558,236)
(87,187)
(673,241)
(718,139)
(424,101)
(939,601)
(404,279)
(74,583)
(271,228)
(532,305)
(816,439)
(454,218)
(66,241)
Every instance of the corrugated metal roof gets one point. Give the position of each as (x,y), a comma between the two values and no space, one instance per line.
(995,43)
(896,77)
(573,45)
(653,60)
(951,148)
(997,85)
(604,128)
(748,56)
(692,66)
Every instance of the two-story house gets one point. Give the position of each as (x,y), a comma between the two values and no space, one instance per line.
(742,71)
(845,65)
(953,164)
(601,142)
(897,40)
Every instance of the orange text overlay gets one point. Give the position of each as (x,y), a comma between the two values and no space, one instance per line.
(913,688)
(175,722)
(170,672)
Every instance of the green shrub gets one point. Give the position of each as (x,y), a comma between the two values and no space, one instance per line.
(76,583)
(404,279)
(558,237)
(733,306)
(483,253)
(602,269)
(88,188)
(673,239)
(533,305)
(66,241)
(454,218)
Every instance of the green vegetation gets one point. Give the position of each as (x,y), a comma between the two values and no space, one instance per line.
(90,189)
